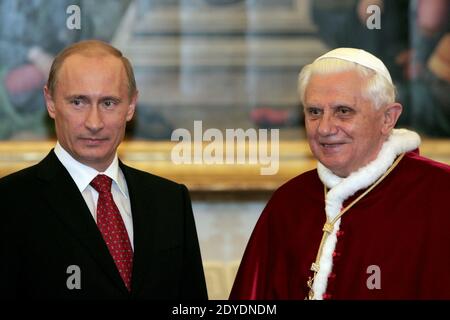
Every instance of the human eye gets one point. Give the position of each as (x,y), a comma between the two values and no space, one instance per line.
(77,102)
(313,112)
(344,111)
(109,103)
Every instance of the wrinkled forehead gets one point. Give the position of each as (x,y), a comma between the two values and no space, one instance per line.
(337,84)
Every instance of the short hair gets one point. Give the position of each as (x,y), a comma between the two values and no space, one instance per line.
(90,48)
(377,88)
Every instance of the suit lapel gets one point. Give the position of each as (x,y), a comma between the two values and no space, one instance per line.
(67,202)
(145,212)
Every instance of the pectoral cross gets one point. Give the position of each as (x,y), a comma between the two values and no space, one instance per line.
(311,292)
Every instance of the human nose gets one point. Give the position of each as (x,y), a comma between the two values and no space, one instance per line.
(94,121)
(326,125)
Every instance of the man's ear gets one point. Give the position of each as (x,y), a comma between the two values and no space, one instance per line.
(49,103)
(390,116)
(132,106)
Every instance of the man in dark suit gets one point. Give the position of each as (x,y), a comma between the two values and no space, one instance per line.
(81,224)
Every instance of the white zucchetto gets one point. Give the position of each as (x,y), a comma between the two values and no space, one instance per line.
(360,57)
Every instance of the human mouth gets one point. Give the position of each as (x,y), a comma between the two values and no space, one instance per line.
(334,146)
(93,141)
(331,145)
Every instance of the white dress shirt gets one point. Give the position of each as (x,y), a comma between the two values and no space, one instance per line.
(83,175)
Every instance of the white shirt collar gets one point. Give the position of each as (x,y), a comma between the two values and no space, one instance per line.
(83,174)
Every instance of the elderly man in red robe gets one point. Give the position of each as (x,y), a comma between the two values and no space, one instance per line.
(372,221)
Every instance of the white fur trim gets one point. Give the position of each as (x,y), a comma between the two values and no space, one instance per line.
(400,140)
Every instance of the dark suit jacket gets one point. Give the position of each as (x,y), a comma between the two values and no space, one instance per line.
(46,227)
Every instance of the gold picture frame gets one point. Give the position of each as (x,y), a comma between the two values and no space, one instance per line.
(155,157)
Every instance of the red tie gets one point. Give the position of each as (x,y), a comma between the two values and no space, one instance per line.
(113,229)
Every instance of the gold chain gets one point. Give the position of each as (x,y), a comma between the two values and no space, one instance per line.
(329,225)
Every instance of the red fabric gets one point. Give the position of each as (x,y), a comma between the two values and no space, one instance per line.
(401,226)
(113,229)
